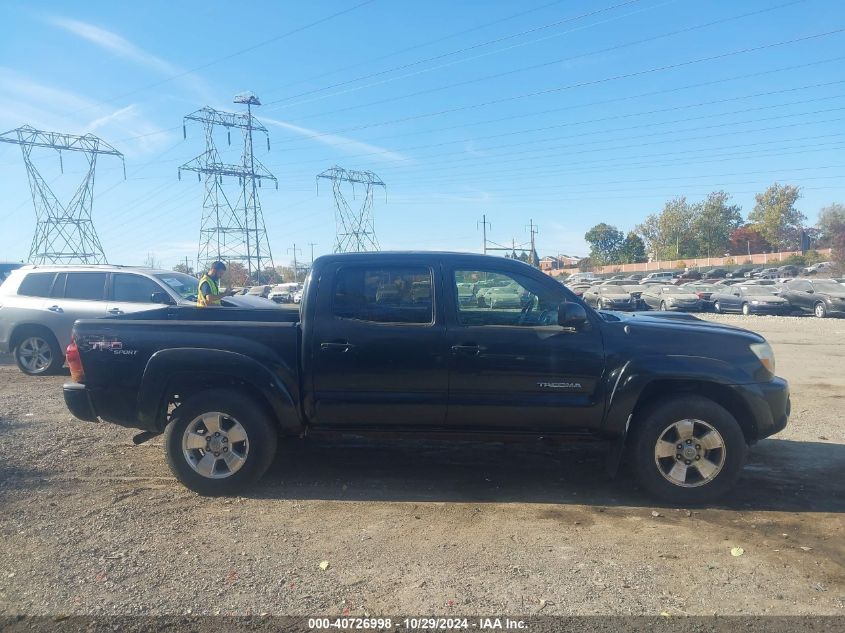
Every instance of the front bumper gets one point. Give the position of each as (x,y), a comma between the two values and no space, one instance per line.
(78,400)
(764,309)
(769,403)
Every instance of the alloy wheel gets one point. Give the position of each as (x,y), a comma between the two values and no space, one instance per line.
(215,445)
(820,310)
(35,354)
(689,453)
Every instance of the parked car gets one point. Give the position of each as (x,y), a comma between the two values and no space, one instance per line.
(259,291)
(716,273)
(754,272)
(671,298)
(788,271)
(634,277)
(703,292)
(578,277)
(609,298)
(690,275)
(579,289)
(822,297)
(40,303)
(750,299)
(739,272)
(297,297)
(821,267)
(636,291)
(768,273)
(681,399)
(662,277)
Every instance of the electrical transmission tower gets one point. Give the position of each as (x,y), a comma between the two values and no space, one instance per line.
(231,232)
(355,230)
(64,233)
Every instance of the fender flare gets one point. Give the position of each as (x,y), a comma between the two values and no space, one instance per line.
(165,366)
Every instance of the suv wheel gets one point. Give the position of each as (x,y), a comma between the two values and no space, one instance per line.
(687,450)
(746,309)
(820,310)
(219,443)
(717,308)
(663,306)
(37,353)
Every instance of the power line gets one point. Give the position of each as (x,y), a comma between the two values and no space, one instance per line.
(545,64)
(593,82)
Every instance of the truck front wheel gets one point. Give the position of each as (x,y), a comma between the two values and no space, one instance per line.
(219,443)
(687,451)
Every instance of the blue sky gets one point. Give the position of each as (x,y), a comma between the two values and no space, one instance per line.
(567,113)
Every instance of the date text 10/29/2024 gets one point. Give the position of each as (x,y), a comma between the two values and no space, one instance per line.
(417,624)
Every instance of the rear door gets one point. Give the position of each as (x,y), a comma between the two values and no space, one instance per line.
(76,295)
(513,367)
(377,346)
(798,294)
(130,292)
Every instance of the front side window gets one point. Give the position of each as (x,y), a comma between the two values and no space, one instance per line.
(133,288)
(87,286)
(36,284)
(486,297)
(384,294)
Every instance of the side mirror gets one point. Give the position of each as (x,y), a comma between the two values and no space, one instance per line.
(161,297)
(570,314)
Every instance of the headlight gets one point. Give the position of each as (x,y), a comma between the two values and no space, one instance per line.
(755,302)
(764,352)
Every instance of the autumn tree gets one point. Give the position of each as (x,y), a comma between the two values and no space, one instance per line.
(605,241)
(669,234)
(830,218)
(777,218)
(746,240)
(235,275)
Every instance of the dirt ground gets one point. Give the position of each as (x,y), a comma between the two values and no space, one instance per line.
(91,524)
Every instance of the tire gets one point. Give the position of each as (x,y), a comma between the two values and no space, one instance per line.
(235,416)
(746,309)
(663,306)
(37,353)
(820,310)
(657,430)
(717,308)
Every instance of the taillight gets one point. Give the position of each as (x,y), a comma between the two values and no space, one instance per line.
(74,363)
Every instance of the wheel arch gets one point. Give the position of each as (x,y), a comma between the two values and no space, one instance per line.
(172,376)
(21,329)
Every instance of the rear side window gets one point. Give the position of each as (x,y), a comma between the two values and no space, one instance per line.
(36,284)
(384,295)
(88,286)
(133,288)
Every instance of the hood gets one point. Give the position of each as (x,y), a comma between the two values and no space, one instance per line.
(682,322)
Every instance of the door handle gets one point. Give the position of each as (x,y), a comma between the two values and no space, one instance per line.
(115,311)
(55,309)
(468,350)
(336,347)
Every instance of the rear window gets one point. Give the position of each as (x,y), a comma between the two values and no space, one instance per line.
(384,295)
(36,284)
(87,286)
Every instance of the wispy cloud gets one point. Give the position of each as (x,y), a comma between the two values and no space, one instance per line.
(124,49)
(26,101)
(340,142)
(113,42)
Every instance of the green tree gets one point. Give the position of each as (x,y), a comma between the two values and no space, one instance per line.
(183,268)
(776,217)
(605,241)
(714,221)
(830,217)
(669,234)
(632,250)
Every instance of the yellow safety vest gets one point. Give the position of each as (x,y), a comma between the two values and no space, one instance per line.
(212,285)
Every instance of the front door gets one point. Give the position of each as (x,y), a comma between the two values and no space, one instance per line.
(511,365)
(378,347)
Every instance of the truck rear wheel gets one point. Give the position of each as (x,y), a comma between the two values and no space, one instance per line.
(219,443)
(687,451)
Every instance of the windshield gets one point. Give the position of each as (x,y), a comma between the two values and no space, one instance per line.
(758,291)
(183,285)
(828,286)
(672,290)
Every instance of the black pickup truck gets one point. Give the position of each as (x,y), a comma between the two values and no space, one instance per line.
(432,344)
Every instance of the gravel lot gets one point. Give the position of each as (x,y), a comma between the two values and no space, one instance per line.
(91,524)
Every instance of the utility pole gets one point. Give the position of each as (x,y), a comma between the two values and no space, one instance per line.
(312,245)
(294,250)
(533,258)
(484,224)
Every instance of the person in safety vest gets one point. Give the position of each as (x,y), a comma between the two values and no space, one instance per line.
(209,293)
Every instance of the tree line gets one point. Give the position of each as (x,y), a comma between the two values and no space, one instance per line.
(715,227)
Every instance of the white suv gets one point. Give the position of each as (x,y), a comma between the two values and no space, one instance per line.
(39,304)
